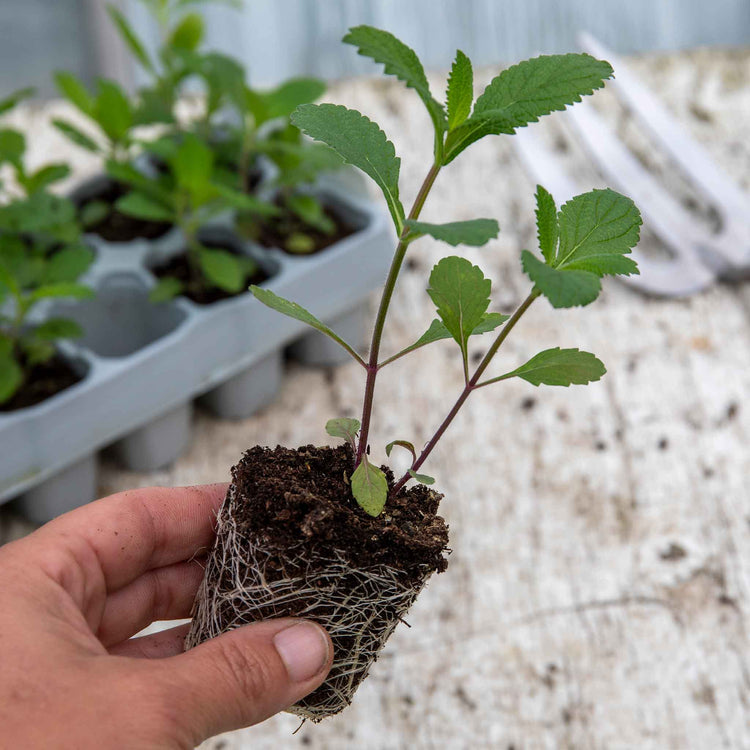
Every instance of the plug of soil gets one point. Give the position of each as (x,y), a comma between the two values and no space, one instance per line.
(292,542)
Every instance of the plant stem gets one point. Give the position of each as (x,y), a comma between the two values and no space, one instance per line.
(385,301)
(470,386)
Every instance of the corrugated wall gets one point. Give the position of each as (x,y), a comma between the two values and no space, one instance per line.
(279,38)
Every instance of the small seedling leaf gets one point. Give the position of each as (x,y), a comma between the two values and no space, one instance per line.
(421,478)
(460,90)
(57,328)
(461,294)
(311,211)
(12,146)
(525,92)
(546,223)
(75,92)
(222,269)
(142,206)
(359,142)
(560,367)
(369,487)
(46,176)
(400,61)
(193,164)
(68,264)
(62,289)
(282,101)
(130,38)
(344,428)
(9,102)
(597,231)
(113,113)
(72,133)
(166,289)
(403,444)
(188,33)
(475,233)
(293,310)
(563,288)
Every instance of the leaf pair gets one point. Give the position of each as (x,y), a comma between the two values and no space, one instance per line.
(591,237)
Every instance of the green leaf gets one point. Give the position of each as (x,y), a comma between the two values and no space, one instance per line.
(461,294)
(311,211)
(12,101)
(12,146)
(360,142)
(62,289)
(525,92)
(46,176)
(68,264)
(188,33)
(222,269)
(400,61)
(293,310)
(37,352)
(460,90)
(57,328)
(370,488)
(475,233)
(344,428)
(546,223)
(142,206)
(11,377)
(113,111)
(559,367)
(72,133)
(403,444)
(75,92)
(597,231)
(130,38)
(129,175)
(193,164)
(166,289)
(562,287)
(282,101)
(244,202)
(94,212)
(421,478)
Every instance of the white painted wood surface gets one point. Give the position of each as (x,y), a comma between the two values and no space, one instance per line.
(599,591)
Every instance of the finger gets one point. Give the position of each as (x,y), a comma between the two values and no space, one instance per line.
(242,677)
(109,543)
(162,594)
(154,646)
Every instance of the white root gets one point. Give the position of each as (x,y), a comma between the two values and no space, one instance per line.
(359,607)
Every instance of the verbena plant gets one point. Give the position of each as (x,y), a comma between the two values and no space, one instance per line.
(589,237)
(42,257)
(178,58)
(188,195)
(298,163)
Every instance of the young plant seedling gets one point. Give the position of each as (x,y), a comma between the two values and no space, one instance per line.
(298,163)
(589,237)
(41,258)
(188,196)
(179,57)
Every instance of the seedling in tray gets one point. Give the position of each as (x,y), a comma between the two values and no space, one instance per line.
(186,194)
(41,258)
(324,532)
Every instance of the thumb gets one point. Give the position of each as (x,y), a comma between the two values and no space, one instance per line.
(242,677)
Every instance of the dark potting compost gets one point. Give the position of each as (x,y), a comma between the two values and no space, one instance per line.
(44,380)
(292,542)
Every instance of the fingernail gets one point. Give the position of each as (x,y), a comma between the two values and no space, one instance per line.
(304,650)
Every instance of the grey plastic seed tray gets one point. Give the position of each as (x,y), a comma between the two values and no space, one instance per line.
(144,364)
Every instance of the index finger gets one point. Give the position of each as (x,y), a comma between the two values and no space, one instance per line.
(122,536)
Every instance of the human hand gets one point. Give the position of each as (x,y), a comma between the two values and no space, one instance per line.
(74,592)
